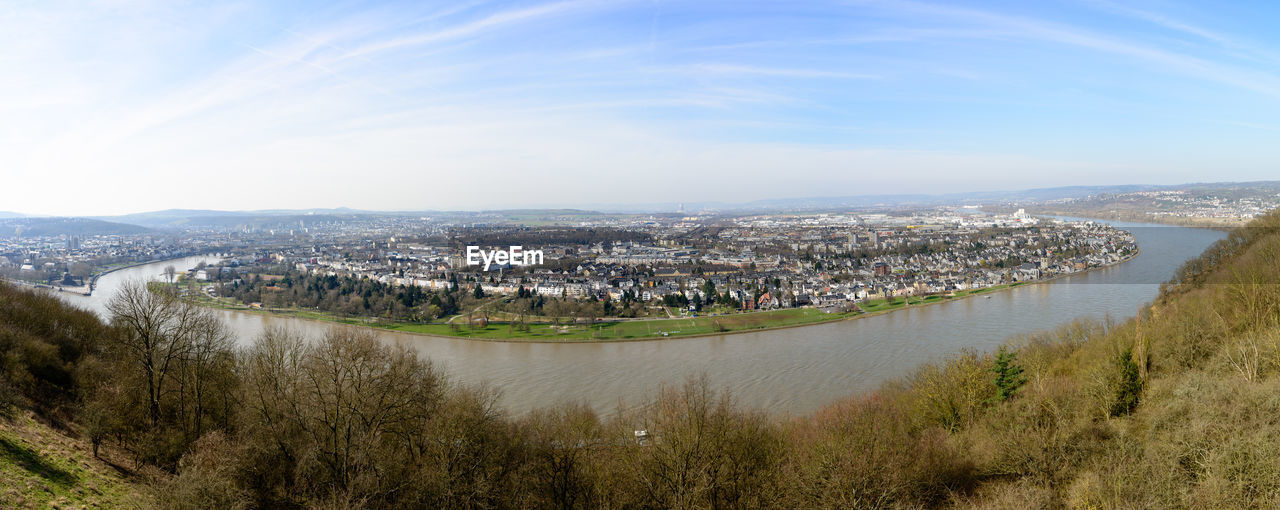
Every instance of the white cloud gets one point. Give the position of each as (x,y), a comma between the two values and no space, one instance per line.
(149,108)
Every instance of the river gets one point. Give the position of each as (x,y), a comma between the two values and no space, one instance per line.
(785,371)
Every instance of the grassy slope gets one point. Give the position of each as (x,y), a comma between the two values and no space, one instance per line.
(1205,433)
(41,467)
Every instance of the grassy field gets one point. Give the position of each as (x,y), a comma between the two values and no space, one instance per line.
(621,330)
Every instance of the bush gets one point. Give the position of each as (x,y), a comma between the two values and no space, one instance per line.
(703,452)
(867,453)
(207,477)
(952,393)
(1042,436)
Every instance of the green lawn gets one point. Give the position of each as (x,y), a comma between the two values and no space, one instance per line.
(618,330)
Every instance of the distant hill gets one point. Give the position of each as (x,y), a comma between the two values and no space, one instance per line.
(7,214)
(259,221)
(856,201)
(168,217)
(69,226)
(270,218)
(266,218)
(284,218)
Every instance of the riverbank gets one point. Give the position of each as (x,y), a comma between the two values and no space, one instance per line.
(87,290)
(45,286)
(93,280)
(605,331)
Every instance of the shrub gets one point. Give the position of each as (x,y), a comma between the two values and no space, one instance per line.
(207,477)
(867,453)
(703,452)
(951,394)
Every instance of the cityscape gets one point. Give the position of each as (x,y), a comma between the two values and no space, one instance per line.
(571,254)
(667,265)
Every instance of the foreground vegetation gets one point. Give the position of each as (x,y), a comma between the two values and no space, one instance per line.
(43,467)
(1176,408)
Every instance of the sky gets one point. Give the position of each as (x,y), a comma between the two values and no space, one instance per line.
(114,107)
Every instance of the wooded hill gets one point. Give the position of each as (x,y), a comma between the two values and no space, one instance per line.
(1176,408)
(16,227)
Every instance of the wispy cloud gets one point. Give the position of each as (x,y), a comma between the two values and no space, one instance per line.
(431,98)
(732,69)
(1223,40)
(490,22)
(1022,27)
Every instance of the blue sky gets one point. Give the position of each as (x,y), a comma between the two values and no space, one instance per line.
(124,106)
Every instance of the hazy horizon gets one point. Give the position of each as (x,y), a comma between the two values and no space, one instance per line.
(892,199)
(119,108)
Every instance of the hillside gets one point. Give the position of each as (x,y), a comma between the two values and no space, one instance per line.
(41,467)
(1177,408)
(65,226)
(48,351)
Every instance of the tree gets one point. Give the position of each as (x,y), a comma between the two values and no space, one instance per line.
(170,272)
(707,452)
(1009,375)
(563,440)
(1128,384)
(207,379)
(479,292)
(175,366)
(80,270)
(157,332)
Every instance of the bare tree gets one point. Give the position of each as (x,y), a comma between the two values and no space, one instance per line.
(208,380)
(347,410)
(158,330)
(170,272)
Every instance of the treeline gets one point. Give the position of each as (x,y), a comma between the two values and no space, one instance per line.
(365,297)
(345,295)
(1173,409)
